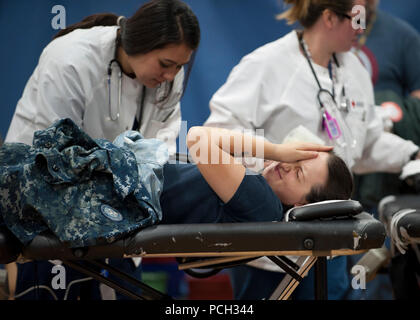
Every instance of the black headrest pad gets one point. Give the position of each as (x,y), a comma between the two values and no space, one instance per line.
(325,210)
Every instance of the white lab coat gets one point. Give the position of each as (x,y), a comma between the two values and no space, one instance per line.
(70,80)
(274,89)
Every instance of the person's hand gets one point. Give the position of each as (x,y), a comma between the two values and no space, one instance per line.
(417,156)
(297,151)
(267,163)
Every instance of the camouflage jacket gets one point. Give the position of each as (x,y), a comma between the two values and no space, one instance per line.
(85,191)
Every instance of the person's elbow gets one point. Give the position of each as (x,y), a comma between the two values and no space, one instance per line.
(195,135)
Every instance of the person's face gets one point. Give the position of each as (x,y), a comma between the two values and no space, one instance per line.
(159,65)
(291,182)
(345,35)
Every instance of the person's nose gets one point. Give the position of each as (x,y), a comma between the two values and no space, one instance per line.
(169,75)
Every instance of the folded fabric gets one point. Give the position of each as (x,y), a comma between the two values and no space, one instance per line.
(151,155)
(85,191)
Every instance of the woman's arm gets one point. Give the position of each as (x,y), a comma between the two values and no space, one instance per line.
(213,150)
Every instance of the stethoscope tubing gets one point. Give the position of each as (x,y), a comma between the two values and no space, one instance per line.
(119,89)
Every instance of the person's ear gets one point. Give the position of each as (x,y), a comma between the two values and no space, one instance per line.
(329,18)
(299,204)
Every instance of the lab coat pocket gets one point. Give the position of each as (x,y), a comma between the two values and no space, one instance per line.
(356,121)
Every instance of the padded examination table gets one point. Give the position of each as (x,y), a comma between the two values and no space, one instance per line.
(401,215)
(221,245)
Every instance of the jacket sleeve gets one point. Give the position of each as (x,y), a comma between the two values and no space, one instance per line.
(170,131)
(53,92)
(383,151)
(235,105)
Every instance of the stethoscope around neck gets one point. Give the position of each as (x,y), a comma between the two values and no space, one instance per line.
(160,92)
(332,121)
(120,76)
(344,104)
(109,72)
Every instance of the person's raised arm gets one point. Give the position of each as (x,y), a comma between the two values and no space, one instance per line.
(214,151)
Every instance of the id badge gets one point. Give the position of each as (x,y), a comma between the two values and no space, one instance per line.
(331,126)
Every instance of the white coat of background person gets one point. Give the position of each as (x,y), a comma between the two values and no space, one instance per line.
(274,89)
(110,74)
(77,77)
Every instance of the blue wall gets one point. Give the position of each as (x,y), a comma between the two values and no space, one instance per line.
(230,29)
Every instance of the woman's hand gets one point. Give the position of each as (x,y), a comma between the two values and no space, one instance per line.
(297,151)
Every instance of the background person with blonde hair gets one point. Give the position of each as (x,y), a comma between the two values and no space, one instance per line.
(309,79)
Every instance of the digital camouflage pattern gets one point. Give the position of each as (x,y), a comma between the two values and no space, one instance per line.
(85,191)
(151,155)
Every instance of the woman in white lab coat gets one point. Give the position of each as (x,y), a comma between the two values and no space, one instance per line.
(309,79)
(110,74)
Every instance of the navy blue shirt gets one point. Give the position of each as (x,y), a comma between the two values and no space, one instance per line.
(395,54)
(187,198)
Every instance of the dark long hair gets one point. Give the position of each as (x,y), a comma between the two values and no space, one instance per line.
(155,25)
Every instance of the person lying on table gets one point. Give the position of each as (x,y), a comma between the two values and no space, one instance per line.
(218,188)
